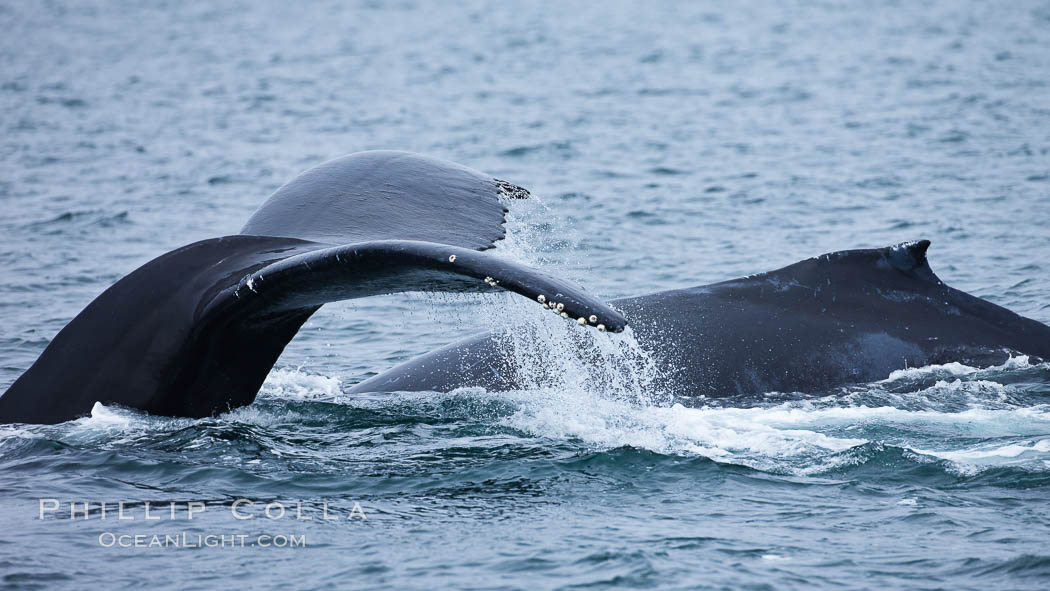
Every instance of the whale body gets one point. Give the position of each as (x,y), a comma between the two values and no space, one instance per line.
(837,319)
(195,331)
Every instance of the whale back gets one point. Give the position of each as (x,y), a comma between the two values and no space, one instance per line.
(387,195)
(839,318)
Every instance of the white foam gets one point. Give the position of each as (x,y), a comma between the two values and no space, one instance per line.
(720,434)
(17,432)
(799,437)
(954,369)
(110,424)
(960,369)
(984,455)
(104,417)
(254,415)
(295,384)
(1019,362)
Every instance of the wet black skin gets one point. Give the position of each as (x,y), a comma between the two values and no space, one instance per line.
(195,331)
(833,320)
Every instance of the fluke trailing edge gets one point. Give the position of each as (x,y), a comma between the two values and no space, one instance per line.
(195,331)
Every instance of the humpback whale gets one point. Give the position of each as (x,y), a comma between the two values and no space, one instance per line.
(837,319)
(195,331)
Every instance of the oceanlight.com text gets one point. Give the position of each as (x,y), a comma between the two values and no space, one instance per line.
(196,540)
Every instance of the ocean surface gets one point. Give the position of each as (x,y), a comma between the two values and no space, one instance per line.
(666,145)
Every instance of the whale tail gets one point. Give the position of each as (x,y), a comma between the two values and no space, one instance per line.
(195,331)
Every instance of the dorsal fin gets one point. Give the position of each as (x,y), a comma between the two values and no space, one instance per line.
(906,258)
(387,195)
(909,257)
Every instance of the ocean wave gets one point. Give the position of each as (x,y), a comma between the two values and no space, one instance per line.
(305,418)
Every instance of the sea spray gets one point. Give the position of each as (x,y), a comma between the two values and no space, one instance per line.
(545,351)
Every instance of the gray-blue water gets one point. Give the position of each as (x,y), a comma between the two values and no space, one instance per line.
(668,145)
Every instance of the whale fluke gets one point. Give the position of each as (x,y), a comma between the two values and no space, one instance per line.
(195,331)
